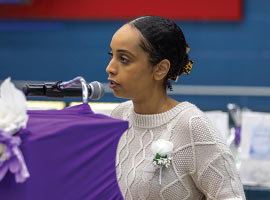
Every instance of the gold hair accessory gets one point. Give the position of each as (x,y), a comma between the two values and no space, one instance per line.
(186,70)
(188,67)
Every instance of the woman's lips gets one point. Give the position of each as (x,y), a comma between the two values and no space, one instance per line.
(113,84)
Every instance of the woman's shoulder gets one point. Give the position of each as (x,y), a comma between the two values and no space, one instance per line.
(189,111)
(194,117)
(121,109)
(195,125)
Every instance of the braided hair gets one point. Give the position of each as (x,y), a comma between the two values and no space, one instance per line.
(163,39)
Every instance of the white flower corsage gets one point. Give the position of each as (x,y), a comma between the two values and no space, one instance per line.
(162,150)
(162,156)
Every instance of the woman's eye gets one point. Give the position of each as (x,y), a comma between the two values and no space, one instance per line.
(111,55)
(123,59)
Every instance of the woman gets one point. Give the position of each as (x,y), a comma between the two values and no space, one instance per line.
(146,54)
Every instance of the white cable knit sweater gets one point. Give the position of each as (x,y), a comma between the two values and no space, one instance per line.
(202,165)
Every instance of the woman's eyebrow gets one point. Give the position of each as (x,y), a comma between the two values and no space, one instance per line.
(125,51)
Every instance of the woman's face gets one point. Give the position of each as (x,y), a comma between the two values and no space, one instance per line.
(130,73)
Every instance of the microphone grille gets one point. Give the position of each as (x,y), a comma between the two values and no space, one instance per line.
(97,90)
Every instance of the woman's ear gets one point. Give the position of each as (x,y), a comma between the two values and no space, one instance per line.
(161,69)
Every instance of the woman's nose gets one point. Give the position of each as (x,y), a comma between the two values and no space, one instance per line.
(111,70)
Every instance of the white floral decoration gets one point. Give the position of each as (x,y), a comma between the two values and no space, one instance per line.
(13,108)
(162,155)
(13,118)
(162,150)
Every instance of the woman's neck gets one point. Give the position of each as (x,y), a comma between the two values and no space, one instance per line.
(154,104)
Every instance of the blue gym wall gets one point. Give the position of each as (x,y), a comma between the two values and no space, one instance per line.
(225,53)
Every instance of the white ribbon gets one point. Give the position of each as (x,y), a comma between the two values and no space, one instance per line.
(151,168)
(160,174)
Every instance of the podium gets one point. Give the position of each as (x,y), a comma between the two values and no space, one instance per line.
(70,155)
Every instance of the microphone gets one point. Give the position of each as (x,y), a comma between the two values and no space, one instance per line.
(53,89)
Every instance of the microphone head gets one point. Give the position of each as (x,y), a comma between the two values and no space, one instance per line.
(97,90)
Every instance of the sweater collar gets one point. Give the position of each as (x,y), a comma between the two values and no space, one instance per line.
(155,120)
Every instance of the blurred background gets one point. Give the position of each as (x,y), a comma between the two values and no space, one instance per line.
(53,40)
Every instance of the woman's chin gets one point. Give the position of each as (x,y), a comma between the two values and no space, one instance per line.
(117,94)
(120,95)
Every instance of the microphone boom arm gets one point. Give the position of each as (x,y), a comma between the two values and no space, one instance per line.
(76,81)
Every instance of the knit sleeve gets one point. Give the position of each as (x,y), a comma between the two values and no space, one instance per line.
(215,171)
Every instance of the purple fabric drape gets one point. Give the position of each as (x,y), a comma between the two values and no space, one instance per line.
(70,155)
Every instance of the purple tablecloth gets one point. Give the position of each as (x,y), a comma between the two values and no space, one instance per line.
(70,155)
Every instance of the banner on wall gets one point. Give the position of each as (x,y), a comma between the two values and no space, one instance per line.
(195,10)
